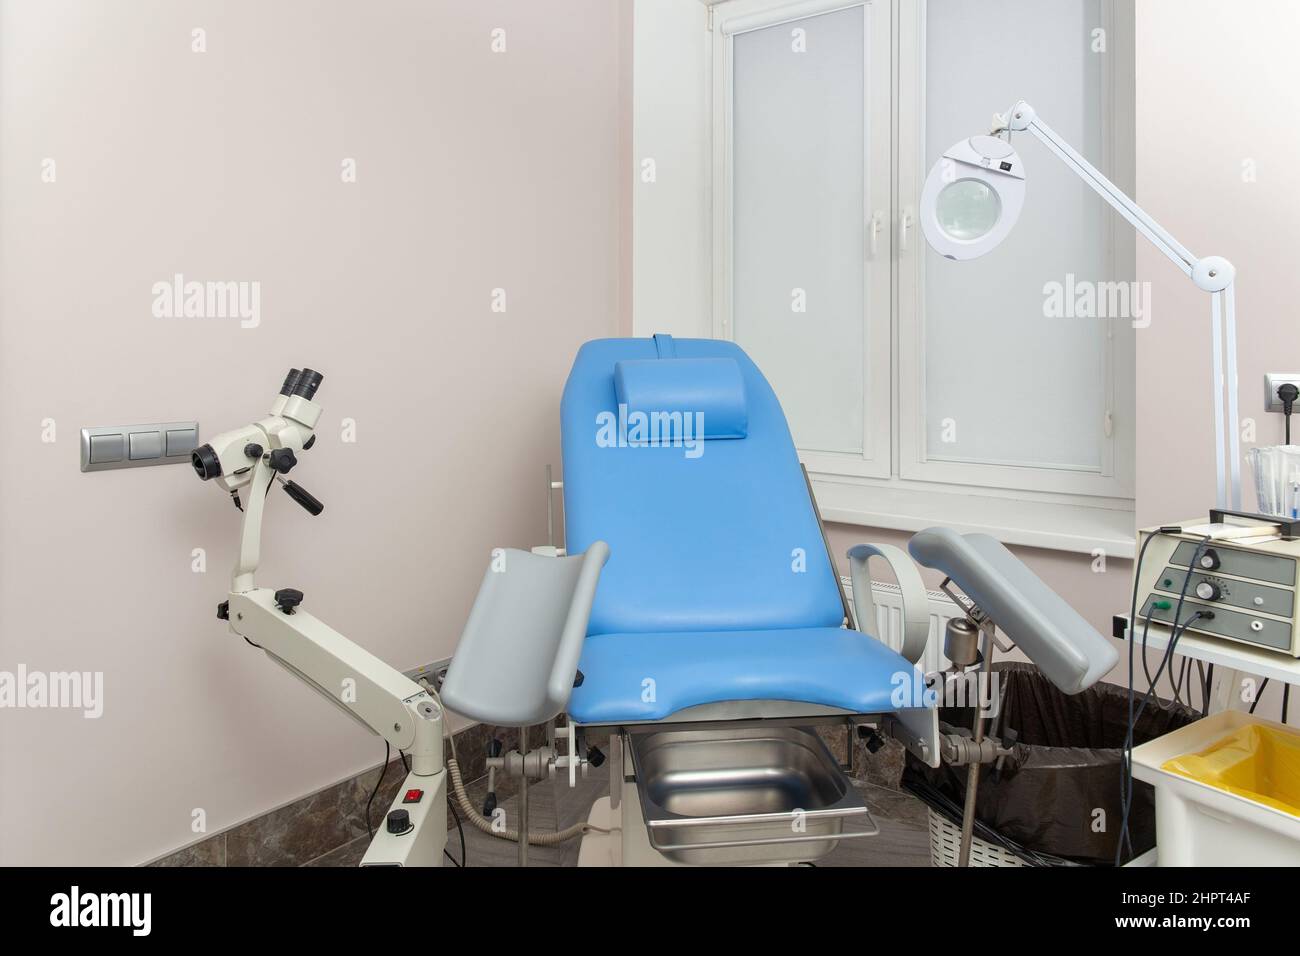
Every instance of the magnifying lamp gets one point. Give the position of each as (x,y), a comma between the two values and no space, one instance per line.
(972,199)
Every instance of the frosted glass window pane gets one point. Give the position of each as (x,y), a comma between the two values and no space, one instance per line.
(798,216)
(1008,383)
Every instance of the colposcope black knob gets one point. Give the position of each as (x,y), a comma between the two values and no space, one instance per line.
(399,821)
(282,459)
(304,497)
(252,450)
(595,756)
(286,599)
(494,747)
(490,804)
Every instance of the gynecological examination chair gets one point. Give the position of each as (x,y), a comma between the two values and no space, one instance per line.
(703,626)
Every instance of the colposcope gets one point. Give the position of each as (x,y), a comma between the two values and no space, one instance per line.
(244,462)
(543,598)
(276,440)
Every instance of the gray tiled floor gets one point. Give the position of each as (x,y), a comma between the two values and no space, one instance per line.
(903,839)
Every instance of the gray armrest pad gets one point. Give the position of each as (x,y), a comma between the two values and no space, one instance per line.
(1052,634)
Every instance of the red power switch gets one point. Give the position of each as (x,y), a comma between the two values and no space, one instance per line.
(413,796)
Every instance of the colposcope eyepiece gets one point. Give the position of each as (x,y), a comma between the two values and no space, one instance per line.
(308,381)
(205,461)
(290,381)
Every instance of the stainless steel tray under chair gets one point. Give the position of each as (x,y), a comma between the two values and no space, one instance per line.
(733,796)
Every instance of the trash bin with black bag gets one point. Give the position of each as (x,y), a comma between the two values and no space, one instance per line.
(1055,801)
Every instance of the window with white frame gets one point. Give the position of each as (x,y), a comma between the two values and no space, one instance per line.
(981,393)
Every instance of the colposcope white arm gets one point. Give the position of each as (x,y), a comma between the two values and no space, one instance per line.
(377,696)
(246,461)
(1212,274)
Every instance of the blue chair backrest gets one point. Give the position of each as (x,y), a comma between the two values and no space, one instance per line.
(717,534)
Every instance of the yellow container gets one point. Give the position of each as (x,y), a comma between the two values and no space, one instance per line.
(1227,792)
(1257,762)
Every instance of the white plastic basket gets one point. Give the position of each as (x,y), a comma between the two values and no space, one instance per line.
(1200,825)
(945,846)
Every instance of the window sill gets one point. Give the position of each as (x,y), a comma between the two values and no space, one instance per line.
(1014,518)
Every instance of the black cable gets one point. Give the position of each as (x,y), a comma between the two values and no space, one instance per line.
(1288,393)
(406,764)
(1146,669)
(1286,700)
(1126,752)
(388,752)
(1126,757)
(1179,681)
(1259,695)
(1126,766)
(456,816)
(1127,797)
(1132,628)
(1174,635)
(1207,683)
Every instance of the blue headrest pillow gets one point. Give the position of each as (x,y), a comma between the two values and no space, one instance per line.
(710,390)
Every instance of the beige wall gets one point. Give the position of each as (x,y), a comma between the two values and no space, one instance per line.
(475,171)
(1218,94)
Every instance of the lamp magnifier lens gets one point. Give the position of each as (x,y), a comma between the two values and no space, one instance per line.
(967,209)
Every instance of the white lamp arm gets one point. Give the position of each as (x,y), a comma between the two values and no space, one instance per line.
(1023,117)
(1212,274)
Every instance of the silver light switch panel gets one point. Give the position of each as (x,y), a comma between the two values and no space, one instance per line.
(133,446)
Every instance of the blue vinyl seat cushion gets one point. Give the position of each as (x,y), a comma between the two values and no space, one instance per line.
(642,677)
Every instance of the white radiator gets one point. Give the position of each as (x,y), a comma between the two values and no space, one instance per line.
(889,621)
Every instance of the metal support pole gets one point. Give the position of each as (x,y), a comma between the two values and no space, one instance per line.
(973,769)
(523,797)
